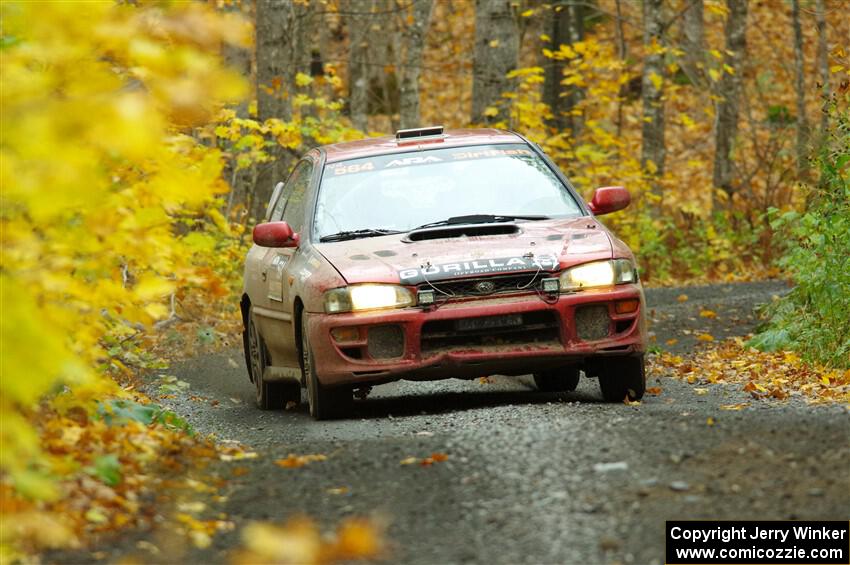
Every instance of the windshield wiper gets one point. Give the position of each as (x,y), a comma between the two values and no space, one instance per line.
(357,234)
(478,219)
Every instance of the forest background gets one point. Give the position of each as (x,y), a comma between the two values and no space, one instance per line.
(141,141)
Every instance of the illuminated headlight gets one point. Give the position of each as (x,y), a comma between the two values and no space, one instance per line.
(367,297)
(599,273)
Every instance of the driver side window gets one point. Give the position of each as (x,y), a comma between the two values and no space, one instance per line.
(300,177)
(290,205)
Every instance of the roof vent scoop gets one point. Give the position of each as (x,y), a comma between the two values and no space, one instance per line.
(417,134)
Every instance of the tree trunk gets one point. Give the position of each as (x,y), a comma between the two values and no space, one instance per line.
(274,58)
(575,94)
(693,42)
(555,68)
(652,149)
(559,33)
(729,88)
(238,59)
(800,85)
(414,39)
(274,21)
(496,53)
(359,21)
(622,52)
(823,59)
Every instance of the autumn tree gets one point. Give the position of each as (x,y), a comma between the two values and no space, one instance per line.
(495,55)
(652,148)
(729,91)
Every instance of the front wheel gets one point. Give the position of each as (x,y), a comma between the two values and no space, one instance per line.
(621,378)
(325,403)
(563,379)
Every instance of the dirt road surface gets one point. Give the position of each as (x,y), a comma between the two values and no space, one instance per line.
(530,477)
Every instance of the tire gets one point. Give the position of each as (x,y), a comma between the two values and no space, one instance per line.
(620,377)
(270,396)
(563,379)
(325,403)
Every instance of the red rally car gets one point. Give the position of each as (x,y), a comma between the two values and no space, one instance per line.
(436,254)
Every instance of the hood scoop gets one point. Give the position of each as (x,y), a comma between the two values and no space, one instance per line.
(468,230)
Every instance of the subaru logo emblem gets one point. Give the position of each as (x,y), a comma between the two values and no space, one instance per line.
(485,287)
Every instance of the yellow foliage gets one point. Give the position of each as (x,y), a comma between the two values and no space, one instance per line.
(98,179)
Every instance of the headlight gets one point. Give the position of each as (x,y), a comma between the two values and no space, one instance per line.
(599,273)
(367,297)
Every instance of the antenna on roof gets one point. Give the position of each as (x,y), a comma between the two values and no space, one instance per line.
(418,133)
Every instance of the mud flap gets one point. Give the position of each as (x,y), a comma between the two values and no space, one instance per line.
(245,307)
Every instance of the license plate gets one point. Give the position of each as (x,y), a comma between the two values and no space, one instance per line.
(490,322)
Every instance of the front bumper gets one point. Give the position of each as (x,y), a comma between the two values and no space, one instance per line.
(415,344)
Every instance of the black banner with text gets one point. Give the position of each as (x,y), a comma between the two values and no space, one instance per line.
(745,542)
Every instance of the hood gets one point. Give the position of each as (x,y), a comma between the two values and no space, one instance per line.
(549,245)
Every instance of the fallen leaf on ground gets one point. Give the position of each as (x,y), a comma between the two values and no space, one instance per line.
(708,313)
(293,461)
(738,406)
(705,337)
(764,375)
(300,541)
(682,298)
(654,390)
(672,342)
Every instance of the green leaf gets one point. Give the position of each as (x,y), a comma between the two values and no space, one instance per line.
(107,468)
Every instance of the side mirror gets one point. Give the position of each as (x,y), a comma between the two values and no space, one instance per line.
(275,234)
(609,199)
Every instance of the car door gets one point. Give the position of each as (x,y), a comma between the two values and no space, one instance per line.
(275,269)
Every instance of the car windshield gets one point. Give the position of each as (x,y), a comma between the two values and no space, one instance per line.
(402,191)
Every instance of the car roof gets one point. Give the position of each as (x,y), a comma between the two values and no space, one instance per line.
(389,144)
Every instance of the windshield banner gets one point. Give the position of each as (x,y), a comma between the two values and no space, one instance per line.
(460,269)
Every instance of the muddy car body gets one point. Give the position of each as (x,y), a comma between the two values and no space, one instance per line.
(437,254)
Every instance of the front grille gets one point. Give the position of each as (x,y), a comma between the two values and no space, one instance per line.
(537,328)
(526,282)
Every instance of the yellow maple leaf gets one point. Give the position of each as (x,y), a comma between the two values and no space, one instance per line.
(656,80)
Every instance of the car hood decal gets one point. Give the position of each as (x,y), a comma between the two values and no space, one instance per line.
(547,246)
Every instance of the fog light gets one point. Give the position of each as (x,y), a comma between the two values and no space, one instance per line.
(627,306)
(426,297)
(342,335)
(551,285)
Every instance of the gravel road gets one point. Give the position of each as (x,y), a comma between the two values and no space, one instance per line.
(531,477)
